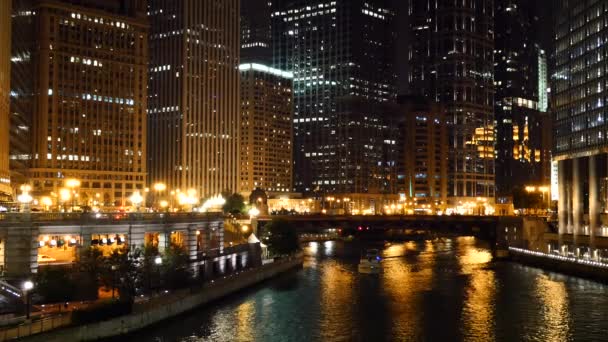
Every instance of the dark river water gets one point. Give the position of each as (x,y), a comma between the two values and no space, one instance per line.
(443,290)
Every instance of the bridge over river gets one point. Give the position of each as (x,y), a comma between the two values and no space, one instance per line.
(495,229)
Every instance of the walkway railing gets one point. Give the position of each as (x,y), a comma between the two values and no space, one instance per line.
(582,261)
(35,327)
(10,218)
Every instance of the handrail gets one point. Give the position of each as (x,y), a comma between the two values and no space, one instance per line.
(97,218)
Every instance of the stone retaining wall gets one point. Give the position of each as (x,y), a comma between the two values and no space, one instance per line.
(152,313)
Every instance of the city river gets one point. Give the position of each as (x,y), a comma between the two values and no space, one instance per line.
(442,290)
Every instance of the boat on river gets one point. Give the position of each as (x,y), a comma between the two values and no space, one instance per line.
(370,262)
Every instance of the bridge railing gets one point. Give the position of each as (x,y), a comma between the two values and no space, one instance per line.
(100,218)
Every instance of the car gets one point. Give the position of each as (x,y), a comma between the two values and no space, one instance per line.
(45,258)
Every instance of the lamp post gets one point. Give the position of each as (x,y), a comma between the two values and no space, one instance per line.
(27,287)
(114,268)
(73,184)
(25,198)
(253,214)
(158,189)
(136,200)
(158,261)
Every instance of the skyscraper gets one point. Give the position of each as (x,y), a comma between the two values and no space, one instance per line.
(194,94)
(523,146)
(5,74)
(88,112)
(422,175)
(266,129)
(22,90)
(450,61)
(580,95)
(256,35)
(341,54)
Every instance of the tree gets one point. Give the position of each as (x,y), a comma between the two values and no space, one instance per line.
(91,270)
(55,284)
(235,204)
(124,271)
(176,271)
(149,269)
(281,237)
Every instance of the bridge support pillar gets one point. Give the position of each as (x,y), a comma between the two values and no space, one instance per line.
(192,246)
(594,203)
(136,236)
(562,204)
(164,240)
(577,202)
(21,251)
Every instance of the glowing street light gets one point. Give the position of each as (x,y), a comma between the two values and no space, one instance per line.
(254,212)
(159,187)
(27,287)
(136,199)
(72,184)
(158,260)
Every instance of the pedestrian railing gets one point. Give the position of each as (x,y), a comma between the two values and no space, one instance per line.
(35,327)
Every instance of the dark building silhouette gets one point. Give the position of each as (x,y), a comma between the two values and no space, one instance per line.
(450,61)
(256,34)
(523,123)
(341,55)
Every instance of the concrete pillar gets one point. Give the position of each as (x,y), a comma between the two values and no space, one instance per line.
(21,251)
(137,234)
(577,201)
(191,242)
(163,241)
(85,237)
(562,205)
(594,202)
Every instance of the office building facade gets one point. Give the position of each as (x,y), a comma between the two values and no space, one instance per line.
(194,95)
(450,58)
(89,99)
(523,124)
(266,129)
(579,98)
(256,33)
(341,55)
(422,175)
(5,75)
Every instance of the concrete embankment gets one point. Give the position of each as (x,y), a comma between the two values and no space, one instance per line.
(567,266)
(170,306)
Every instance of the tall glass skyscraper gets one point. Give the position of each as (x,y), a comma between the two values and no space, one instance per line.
(341,55)
(5,76)
(580,96)
(523,126)
(451,48)
(194,95)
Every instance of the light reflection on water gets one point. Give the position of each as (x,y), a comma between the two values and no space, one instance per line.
(440,290)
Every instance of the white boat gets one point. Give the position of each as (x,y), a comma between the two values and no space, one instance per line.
(370,262)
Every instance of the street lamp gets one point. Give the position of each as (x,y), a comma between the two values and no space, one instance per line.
(158,188)
(25,198)
(136,199)
(27,287)
(72,184)
(158,261)
(254,212)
